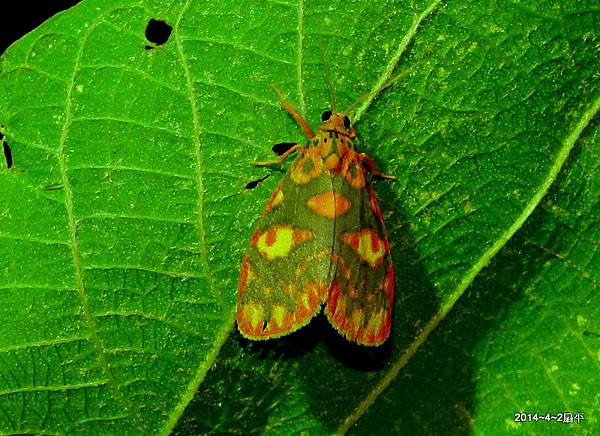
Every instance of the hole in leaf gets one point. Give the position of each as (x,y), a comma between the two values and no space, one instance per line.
(282,147)
(157,32)
(254,183)
(7,154)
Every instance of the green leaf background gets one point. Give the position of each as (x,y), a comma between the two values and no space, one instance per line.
(124,217)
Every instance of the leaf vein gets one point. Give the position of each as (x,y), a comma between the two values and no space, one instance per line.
(132,122)
(148,317)
(300,13)
(238,46)
(46,343)
(568,262)
(554,383)
(134,169)
(198,155)
(39,71)
(250,97)
(409,36)
(62,388)
(116,216)
(34,239)
(176,274)
(72,223)
(199,376)
(143,74)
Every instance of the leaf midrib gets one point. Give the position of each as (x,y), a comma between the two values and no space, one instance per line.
(198,156)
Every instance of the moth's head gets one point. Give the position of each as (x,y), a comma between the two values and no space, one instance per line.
(337,122)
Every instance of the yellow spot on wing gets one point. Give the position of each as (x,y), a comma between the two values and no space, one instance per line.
(304,299)
(357,317)
(278,314)
(368,246)
(279,240)
(375,324)
(254,313)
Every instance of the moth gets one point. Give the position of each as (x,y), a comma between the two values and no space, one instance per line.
(320,240)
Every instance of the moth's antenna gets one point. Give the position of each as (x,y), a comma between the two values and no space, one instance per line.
(387,84)
(353,105)
(327,75)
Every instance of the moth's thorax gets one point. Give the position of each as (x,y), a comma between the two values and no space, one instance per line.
(333,140)
(328,142)
(329,151)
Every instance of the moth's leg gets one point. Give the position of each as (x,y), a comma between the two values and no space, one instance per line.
(282,147)
(293,112)
(373,168)
(254,183)
(280,159)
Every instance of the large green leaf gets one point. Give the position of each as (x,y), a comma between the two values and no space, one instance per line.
(124,216)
